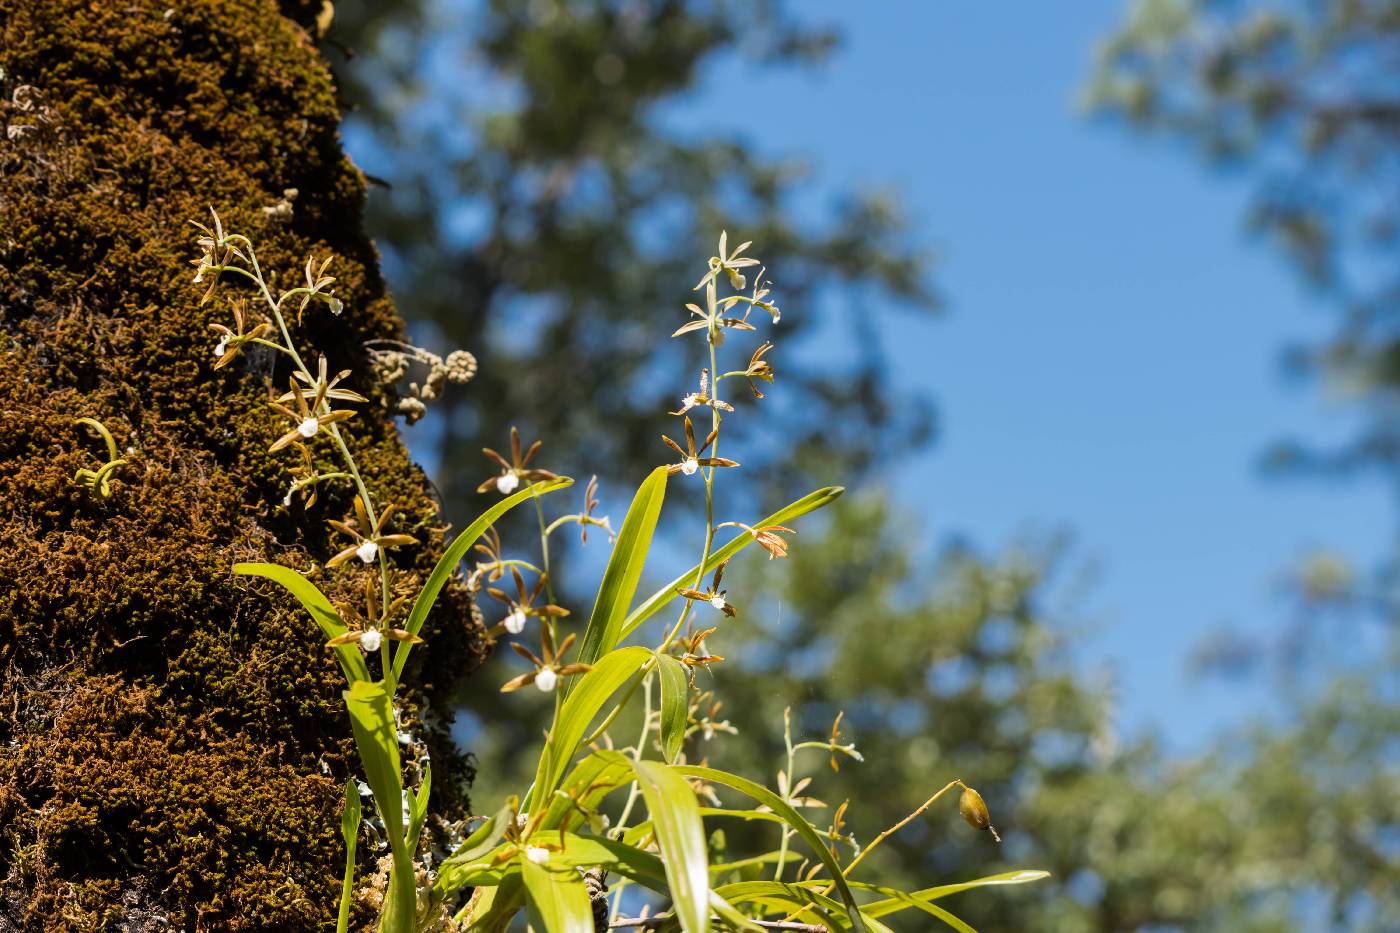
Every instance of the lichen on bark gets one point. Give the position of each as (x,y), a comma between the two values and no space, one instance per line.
(174,740)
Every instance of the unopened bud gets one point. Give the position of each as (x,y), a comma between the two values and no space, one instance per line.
(974,812)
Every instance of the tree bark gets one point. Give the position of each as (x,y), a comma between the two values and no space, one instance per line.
(174,740)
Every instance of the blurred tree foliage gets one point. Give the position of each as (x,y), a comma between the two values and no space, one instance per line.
(1304,98)
(548,204)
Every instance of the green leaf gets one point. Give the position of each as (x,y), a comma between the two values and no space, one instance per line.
(316,603)
(451,875)
(590,692)
(794,896)
(418,807)
(899,900)
(808,503)
(680,834)
(350,832)
(371,707)
(794,819)
(372,720)
(589,782)
(675,705)
(605,625)
(556,899)
(601,852)
(728,912)
(447,564)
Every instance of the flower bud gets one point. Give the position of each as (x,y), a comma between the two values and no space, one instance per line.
(974,811)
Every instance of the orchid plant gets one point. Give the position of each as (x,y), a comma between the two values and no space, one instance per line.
(552,850)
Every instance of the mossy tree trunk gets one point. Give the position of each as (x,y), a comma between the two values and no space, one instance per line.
(174,742)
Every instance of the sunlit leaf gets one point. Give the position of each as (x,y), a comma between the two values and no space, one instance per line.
(350,832)
(590,692)
(371,710)
(447,564)
(556,899)
(898,900)
(794,819)
(675,705)
(624,570)
(808,503)
(680,834)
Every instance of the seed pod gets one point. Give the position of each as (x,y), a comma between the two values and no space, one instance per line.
(974,812)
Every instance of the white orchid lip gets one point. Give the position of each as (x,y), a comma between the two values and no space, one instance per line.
(717,601)
(537,854)
(221,347)
(507,483)
(689,402)
(367,551)
(689,465)
(371,640)
(515,622)
(546,680)
(309,427)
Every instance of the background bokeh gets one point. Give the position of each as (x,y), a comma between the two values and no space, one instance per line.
(1090,305)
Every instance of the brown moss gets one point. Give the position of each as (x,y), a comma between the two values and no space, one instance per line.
(174,737)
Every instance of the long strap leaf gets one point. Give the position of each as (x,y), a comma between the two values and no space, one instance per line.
(576,714)
(658,600)
(794,819)
(680,834)
(624,570)
(556,899)
(457,550)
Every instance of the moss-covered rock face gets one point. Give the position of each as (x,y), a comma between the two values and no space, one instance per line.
(174,742)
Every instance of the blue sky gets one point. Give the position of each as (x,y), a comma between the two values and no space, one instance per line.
(1109,361)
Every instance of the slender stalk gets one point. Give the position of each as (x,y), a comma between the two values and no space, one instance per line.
(710,297)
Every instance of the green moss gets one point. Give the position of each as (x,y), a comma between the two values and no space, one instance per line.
(174,737)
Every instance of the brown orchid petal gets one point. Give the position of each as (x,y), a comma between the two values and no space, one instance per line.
(569,670)
(284,440)
(398,634)
(344,529)
(553,611)
(342,557)
(526,653)
(674,446)
(515,683)
(344,638)
(717,462)
(687,328)
(396,540)
(499,460)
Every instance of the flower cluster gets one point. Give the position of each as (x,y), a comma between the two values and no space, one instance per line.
(392,361)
